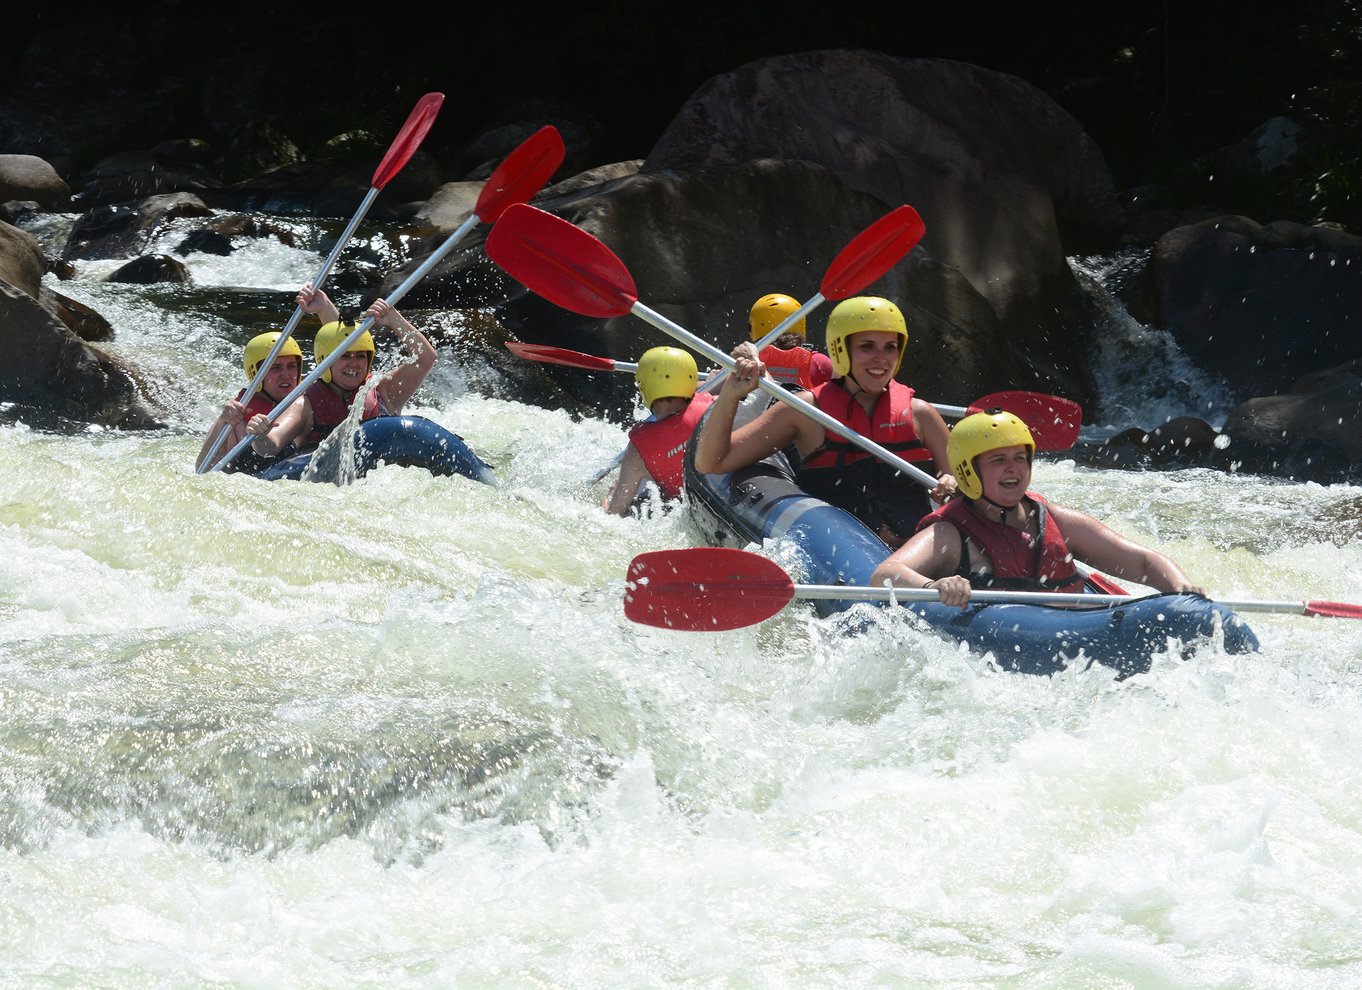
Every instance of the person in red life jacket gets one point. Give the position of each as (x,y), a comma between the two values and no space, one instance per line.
(788,359)
(667,378)
(251,416)
(866,338)
(326,403)
(1001,535)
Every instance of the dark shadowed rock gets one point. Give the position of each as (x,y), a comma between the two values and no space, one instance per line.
(27,177)
(204,242)
(48,368)
(21,259)
(120,231)
(1314,430)
(1183,441)
(150,269)
(79,318)
(1262,306)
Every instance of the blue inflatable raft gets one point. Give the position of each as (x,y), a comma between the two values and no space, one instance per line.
(407,441)
(762,503)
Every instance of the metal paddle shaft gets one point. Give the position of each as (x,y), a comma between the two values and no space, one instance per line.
(519,177)
(409,138)
(712,589)
(1056,419)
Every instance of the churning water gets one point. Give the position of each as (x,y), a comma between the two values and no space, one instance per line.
(399,734)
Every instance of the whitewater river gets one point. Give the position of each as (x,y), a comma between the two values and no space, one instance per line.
(400,734)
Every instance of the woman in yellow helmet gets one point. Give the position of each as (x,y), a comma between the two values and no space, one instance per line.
(1002,535)
(667,379)
(788,359)
(866,339)
(250,416)
(327,401)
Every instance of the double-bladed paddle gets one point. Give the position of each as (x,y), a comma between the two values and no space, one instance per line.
(408,139)
(1056,419)
(515,180)
(714,589)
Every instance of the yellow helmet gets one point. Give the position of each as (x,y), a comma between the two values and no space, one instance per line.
(332,335)
(768,312)
(855,315)
(665,373)
(977,434)
(258,348)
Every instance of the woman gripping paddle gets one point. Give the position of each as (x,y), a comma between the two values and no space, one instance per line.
(326,403)
(242,417)
(866,338)
(1000,535)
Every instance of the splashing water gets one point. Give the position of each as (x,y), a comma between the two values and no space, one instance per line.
(398,733)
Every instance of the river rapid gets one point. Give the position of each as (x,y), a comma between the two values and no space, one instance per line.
(400,734)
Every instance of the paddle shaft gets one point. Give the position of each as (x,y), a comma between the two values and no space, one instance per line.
(862,593)
(355,334)
(409,138)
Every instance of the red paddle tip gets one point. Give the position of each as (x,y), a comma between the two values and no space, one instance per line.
(1333,610)
(873,252)
(409,138)
(704,589)
(522,174)
(561,262)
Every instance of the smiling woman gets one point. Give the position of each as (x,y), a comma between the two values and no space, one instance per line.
(867,337)
(1000,535)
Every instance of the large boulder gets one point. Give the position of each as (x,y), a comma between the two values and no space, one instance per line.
(29,178)
(685,239)
(770,170)
(1007,182)
(48,374)
(1310,431)
(1261,306)
(48,370)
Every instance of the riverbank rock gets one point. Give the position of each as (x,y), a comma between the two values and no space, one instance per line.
(1311,431)
(1008,183)
(1261,306)
(29,178)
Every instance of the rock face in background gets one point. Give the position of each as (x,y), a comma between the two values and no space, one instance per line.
(1262,305)
(751,182)
(769,171)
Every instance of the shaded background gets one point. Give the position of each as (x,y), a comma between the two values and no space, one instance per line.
(1157,85)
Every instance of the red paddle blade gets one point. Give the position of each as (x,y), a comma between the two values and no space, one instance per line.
(522,174)
(873,252)
(409,138)
(561,262)
(704,589)
(559,355)
(1333,610)
(1053,421)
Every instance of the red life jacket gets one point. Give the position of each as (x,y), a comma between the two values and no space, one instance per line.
(844,475)
(890,424)
(796,366)
(662,444)
(260,405)
(1020,562)
(329,410)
